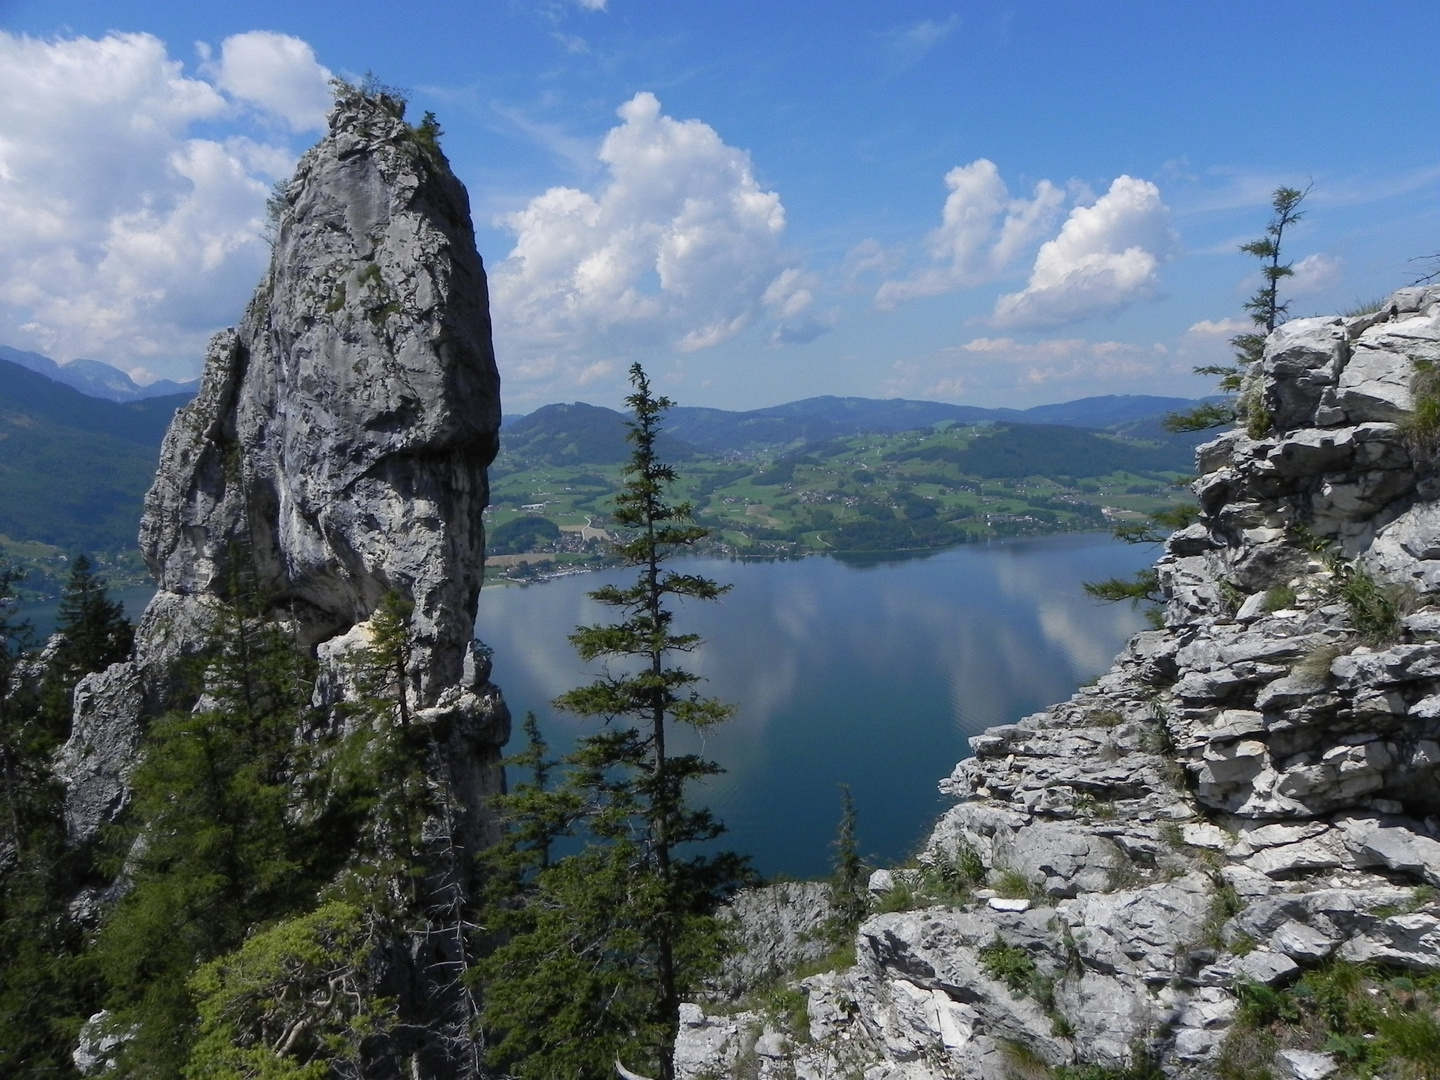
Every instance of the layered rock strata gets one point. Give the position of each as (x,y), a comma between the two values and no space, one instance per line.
(1249,792)
(336,453)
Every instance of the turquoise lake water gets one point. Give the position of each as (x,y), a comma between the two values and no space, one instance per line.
(868,675)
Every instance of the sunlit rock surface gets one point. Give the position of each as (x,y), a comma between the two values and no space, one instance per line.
(1275,747)
(336,451)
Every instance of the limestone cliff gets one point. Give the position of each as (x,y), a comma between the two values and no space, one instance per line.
(1248,793)
(336,452)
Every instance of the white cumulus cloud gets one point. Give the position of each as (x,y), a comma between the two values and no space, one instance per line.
(982,231)
(125,238)
(1313,274)
(678,247)
(1015,370)
(277,72)
(1106,257)
(1207,328)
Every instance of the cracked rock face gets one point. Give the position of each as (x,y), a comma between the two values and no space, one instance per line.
(343,429)
(336,452)
(1250,792)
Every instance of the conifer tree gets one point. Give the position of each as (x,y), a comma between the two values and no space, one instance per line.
(409,873)
(220,847)
(94,633)
(1266,312)
(847,883)
(44,994)
(604,942)
(18,733)
(95,628)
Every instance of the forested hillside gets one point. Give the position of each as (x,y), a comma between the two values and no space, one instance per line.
(917,489)
(73,469)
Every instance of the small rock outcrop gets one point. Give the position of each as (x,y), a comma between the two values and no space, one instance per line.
(1250,792)
(336,453)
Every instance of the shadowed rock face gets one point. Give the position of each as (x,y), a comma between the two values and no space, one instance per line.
(336,452)
(343,429)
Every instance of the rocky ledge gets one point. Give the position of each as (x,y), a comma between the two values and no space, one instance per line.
(1250,794)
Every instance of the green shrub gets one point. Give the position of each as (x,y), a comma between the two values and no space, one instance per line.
(1016,885)
(1363,307)
(1258,419)
(1421,426)
(971,865)
(1279,597)
(1261,1005)
(1378,1025)
(1375,610)
(294,1002)
(1009,964)
(1225,903)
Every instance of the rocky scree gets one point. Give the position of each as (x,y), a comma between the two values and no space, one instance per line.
(1249,794)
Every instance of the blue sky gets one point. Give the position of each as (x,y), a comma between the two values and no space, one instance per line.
(989,203)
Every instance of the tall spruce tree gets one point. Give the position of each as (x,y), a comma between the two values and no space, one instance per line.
(602,943)
(20,736)
(371,981)
(95,628)
(1266,311)
(94,633)
(848,902)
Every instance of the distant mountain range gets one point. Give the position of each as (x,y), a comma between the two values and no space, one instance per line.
(79,441)
(578,433)
(95,378)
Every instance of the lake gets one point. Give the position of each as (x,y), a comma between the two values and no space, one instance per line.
(43,616)
(871,675)
(844,673)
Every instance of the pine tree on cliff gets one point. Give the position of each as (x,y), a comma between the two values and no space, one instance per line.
(1266,312)
(96,634)
(44,991)
(225,847)
(604,943)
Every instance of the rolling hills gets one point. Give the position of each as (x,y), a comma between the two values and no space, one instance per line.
(827,474)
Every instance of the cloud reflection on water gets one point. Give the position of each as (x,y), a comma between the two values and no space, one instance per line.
(872,676)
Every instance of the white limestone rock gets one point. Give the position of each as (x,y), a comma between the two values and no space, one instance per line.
(773,930)
(1262,760)
(339,444)
(1304,1065)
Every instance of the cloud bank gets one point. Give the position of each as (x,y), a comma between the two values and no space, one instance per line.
(126,238)
(1106,257)
(1015,370)
(982,232)
(680,247)
(278,74)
